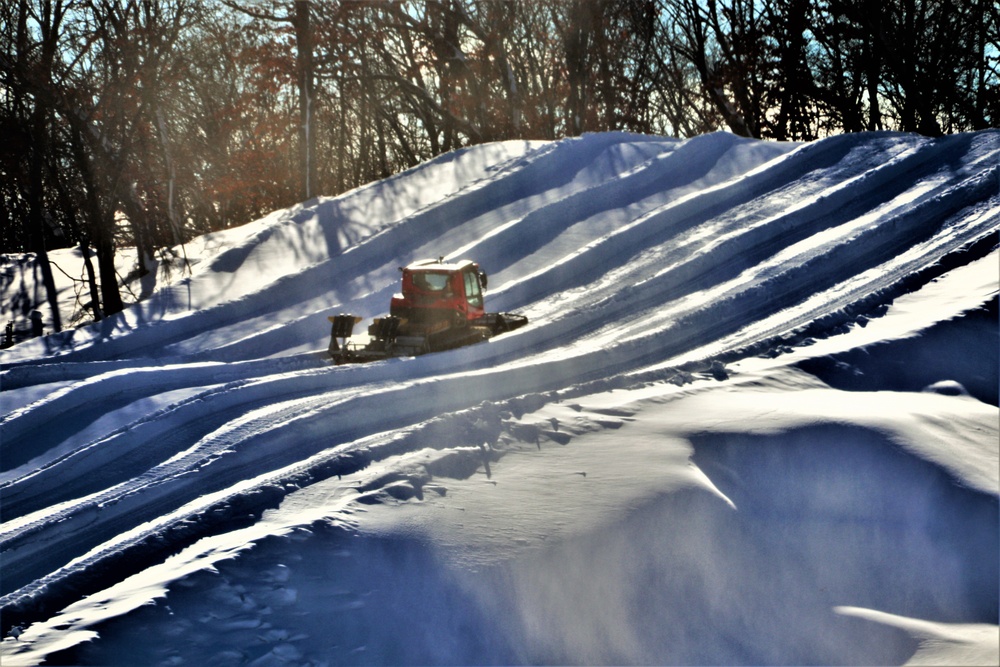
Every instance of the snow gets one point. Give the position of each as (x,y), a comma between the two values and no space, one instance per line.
(753,420)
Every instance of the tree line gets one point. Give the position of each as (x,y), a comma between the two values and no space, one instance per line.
(148,122)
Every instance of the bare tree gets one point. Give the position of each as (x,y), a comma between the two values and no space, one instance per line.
(30,55)
(299,18)
(722,45)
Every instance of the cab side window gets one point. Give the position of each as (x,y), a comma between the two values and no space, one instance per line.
(473,292)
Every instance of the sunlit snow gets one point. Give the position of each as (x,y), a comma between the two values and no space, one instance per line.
(753,420)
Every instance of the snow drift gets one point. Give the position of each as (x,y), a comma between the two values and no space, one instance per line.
(753,420)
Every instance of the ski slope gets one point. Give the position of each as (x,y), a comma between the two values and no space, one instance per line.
(753,419)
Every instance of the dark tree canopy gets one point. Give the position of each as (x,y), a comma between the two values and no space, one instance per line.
(147,122)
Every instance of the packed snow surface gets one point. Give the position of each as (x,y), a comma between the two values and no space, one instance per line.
(753,420)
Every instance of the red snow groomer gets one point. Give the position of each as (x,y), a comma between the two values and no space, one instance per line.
(440,308)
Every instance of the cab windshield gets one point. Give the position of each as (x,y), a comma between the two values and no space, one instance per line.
(430,281)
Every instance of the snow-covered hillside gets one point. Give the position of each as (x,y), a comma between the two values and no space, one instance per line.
(753,420)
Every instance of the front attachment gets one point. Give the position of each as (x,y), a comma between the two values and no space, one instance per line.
(342,328)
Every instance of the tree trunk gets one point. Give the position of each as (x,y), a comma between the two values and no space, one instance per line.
(577,47)
(101,230)
(95,295)
(36,214)
(307,133)
(108,274)
(873,63)
(77,231)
